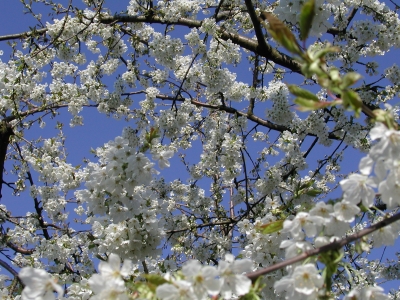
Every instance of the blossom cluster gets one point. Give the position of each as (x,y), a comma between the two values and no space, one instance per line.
(327,222)
(200,281)
(196,281)
(119,197)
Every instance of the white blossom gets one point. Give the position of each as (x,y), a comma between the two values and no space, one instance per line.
(39,284)
(345,211)
(307,279)
(234,282)
(203,278)
(366,293)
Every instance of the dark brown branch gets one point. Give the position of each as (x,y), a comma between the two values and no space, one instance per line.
(332,246)
(212,224)
(232,110)
(8,268)
(263,50)
(256,24)
(39,110)
(336,31)
(250,109)
(247,43)
(5,133)
(19,249)
(38,209)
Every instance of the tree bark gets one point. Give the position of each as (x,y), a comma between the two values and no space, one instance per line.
(5,133)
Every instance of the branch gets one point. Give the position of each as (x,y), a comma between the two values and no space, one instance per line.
(247,43)
(336,245)
(38,209)
(9,269)
(22,35)
(20,249)
(211,224)
(5,133)
(256,24)
(232,110)
(335,31)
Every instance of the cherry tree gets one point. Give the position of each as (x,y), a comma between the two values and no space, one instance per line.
(230,177)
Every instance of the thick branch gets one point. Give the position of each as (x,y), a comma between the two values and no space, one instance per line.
(22,35)
(332,246)
(247,43)
(5,133)
(20,249)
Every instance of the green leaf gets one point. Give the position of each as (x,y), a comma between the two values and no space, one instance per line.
(322,52)
(144,289)
(352,101)
(282,34)
(331,259)
(363,208)
(306,18)
(307,104)
(250,296)
(154,280)
(349,79)
(299,92)
(271,227)
(307,184)
(313,192)
(362,246)
(152,134)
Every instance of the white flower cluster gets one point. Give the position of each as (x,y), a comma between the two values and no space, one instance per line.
(197,281)
(38,285)
(231,159)
(209,26)
(365,30)
(176,9)
(109,282)
(239,91)
(289,11)
(384,158)
(393,74)
(288,143)
(217,80)
(326,222)
(226,52)
(132,212)
(222,152)
(280,113)
(263,249)
(314,123)
(202,281)
(367,293)
(176,124)
(165,49)
(303,283)
(188,71)
(118,193)
(195,42)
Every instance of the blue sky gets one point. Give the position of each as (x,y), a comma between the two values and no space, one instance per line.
(99,129)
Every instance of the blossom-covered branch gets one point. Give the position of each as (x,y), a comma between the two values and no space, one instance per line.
(335,245)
